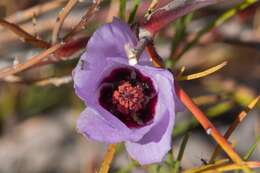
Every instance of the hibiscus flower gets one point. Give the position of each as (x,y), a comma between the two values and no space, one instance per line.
(134,104)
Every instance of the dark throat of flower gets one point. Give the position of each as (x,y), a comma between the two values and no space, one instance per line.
(130,96)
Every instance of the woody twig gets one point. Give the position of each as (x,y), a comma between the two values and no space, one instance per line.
(23,35)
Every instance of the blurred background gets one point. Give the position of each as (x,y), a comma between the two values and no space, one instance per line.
(37,119)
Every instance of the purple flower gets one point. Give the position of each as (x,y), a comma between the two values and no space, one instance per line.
(135,104)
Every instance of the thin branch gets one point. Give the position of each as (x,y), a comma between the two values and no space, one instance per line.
(56,81)
(108,159)
(23,35)
(208,126)
(24,15)
(38,59)
(43,25)
(59,51)
(61,18)
(158,62)
(33,61)
(233,126)
(222,166)
(84,20)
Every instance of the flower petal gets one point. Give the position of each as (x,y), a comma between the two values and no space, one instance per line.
(157,142)
(86,80)
(130,134)
(153,147)
(99,124)
(179,107)
(93,125)
(159,74)
(110,40)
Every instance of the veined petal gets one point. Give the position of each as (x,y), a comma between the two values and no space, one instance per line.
(110,40)
(94,126)
(153,147)
(157,142)
(98,124)
(131,134)
(88,78)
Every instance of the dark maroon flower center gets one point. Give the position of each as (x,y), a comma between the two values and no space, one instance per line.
(130,96)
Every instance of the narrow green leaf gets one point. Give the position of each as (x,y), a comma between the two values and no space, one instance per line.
(183,146)
(251,149)
(180,27)
(181,152)
(250,152)
(133,11)
(122,9)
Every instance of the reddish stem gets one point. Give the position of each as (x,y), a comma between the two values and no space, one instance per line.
(207,125)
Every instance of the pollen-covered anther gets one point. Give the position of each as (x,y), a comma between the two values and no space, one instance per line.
(128,98)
